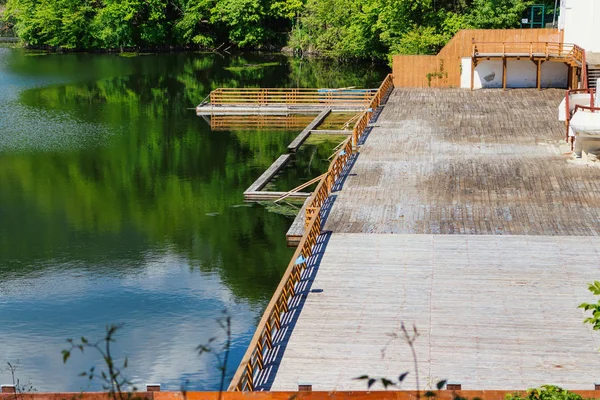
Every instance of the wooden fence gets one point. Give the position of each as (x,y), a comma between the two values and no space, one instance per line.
(270,323)
(444,69)
(277,96)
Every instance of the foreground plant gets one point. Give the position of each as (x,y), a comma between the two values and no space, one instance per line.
(113,380)
(410,338)
(594,320)
(545,392)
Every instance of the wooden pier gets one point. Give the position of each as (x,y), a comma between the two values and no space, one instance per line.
(283,101)
(461,216)
(254,193)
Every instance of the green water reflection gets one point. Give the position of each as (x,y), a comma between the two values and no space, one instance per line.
(118,204)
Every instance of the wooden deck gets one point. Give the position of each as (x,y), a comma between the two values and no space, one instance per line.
(451,161)
(493,312)
(461,216)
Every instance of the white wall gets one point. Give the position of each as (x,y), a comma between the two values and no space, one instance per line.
(555,75)
(580,20)
(519,74)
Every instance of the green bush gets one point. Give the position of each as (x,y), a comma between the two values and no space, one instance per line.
(545,392)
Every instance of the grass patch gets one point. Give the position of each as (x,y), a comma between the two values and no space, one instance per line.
(251,67)
(288,209)
(129,54)
(316,139)
(36,53)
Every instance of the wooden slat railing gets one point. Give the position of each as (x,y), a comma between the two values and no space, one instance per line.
(571,53)
(275,96)
(262,341)
(364,119)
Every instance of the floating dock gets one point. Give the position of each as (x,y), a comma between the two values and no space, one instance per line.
(297,142)
(254,193)
(283,101)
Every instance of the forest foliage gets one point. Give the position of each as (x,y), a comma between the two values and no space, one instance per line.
(343,29)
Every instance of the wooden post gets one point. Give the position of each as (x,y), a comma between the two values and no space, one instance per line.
(504,72)
(473,65)
(539,75)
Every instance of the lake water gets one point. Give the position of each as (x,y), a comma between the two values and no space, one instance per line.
(118,205)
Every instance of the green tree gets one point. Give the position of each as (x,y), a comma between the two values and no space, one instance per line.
(497,14)
(244,20)
(193,26)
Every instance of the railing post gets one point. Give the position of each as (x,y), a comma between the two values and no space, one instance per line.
(530,49)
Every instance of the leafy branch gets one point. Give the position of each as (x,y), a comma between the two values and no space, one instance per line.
(222,357)
(594,320)
(113,379)
(410,338)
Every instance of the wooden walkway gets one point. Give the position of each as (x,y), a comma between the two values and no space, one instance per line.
(460,216)
(451,161)
(493,312)
(297,142)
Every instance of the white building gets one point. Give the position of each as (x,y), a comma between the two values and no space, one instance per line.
(509,65)
(580,22)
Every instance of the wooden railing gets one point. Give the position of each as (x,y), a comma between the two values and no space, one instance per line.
(364,119)
(571,53)
(273,96)
(270,323)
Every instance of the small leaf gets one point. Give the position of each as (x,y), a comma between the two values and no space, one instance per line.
(83,374)
(371,382)
(441,384)
(402,377)
(66,354)
(362,377)
(125,363)
(429,393)
(84,340)
(386,382)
